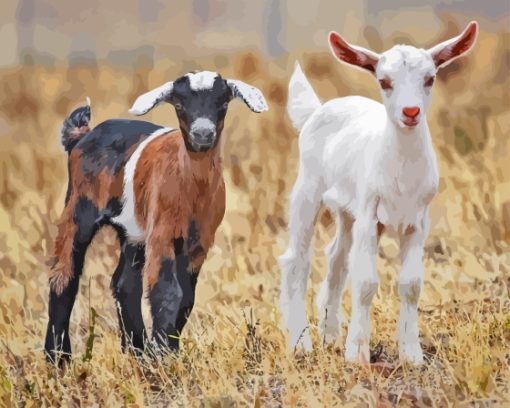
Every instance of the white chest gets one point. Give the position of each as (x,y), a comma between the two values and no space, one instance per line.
(405,193)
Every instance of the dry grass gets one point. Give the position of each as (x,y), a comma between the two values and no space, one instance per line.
(233,351)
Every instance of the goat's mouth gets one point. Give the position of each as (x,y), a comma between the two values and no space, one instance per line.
(409,122)
(201,147)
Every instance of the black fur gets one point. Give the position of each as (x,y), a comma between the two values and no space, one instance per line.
(172,299)
(173,296)
(127,289)
(71,135)
(107,145)
(211,104)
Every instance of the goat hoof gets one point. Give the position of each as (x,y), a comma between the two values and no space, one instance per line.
(329,337)
(302,343)
(357,352)
(329,334)
(411,353)
(58,358)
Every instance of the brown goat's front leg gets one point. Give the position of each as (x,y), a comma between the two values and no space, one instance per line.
(171,299)
(127,289)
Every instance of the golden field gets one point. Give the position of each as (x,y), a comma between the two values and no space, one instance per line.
(234,353)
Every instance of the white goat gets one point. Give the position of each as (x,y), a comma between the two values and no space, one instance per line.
(374,166)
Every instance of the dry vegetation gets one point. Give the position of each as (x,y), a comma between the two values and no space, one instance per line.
(233,351)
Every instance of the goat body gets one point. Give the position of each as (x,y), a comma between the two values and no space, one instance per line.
(374,166)
(180,201)
(162,190)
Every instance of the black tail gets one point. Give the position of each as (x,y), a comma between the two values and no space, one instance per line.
(76,126)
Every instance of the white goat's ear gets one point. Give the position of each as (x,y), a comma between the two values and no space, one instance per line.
(352,54)
(144,103)
(448,50)
(250,95)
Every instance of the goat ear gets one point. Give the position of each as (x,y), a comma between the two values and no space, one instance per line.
(250,95)
(447,51)
(144,103)
(352,54)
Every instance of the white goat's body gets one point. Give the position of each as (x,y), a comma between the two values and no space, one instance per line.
(367,170)
(373,165)
(356,155)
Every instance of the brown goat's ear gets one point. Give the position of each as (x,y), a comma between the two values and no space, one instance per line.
(448,50)
(250,95)
(352,54)
(144,103)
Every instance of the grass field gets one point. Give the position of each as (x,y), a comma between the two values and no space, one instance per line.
(233,352)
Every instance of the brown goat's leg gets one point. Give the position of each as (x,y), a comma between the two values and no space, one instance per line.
(75,234)
(188,282)
(171,298)
(127,289)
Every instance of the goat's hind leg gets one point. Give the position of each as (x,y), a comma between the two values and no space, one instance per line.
(127,288)
(75,232)
(295,262)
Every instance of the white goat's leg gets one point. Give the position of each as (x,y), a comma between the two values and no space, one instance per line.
(410,283)
(365,281)
(328,299)
(295,262)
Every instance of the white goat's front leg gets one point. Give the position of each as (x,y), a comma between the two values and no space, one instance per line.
(328,299)
(410,283)
(295,262)
(365,281)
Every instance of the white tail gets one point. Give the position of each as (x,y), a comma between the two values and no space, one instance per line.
(302,100)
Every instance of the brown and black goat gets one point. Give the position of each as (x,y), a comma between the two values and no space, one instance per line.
(161,189)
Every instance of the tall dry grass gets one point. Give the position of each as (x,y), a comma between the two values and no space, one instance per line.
(233,352)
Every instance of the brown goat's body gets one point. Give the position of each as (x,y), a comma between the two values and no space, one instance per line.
(173,188)
(171,194)
(178,202)
(163,192)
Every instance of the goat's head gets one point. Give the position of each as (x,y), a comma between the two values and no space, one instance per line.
(405,73)
(200,100)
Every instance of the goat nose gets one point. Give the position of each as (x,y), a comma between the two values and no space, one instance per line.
(411,111)
(204,135)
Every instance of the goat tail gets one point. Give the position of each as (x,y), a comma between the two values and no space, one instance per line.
(302,100)
(76,126)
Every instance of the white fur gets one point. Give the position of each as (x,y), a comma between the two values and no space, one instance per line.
(149,100)
(202,123)
(203,80)
(127,218)
(302,97)
(365,167)
(250,95)
(369,164)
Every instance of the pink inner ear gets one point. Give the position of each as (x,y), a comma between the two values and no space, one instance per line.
(463,44)
(466,41)
(348,54)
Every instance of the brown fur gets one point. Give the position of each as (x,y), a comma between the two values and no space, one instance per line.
(99,190)
(173,188)
(61,270)
(380,229)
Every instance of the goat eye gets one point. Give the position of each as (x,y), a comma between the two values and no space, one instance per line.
(429,81)
(177,106)
(385,84)
(225,105)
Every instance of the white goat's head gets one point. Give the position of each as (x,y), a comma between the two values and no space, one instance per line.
(405,73)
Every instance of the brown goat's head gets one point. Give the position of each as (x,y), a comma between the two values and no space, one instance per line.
(200,100)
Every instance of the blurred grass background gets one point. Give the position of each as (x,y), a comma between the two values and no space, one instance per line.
(55,53)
